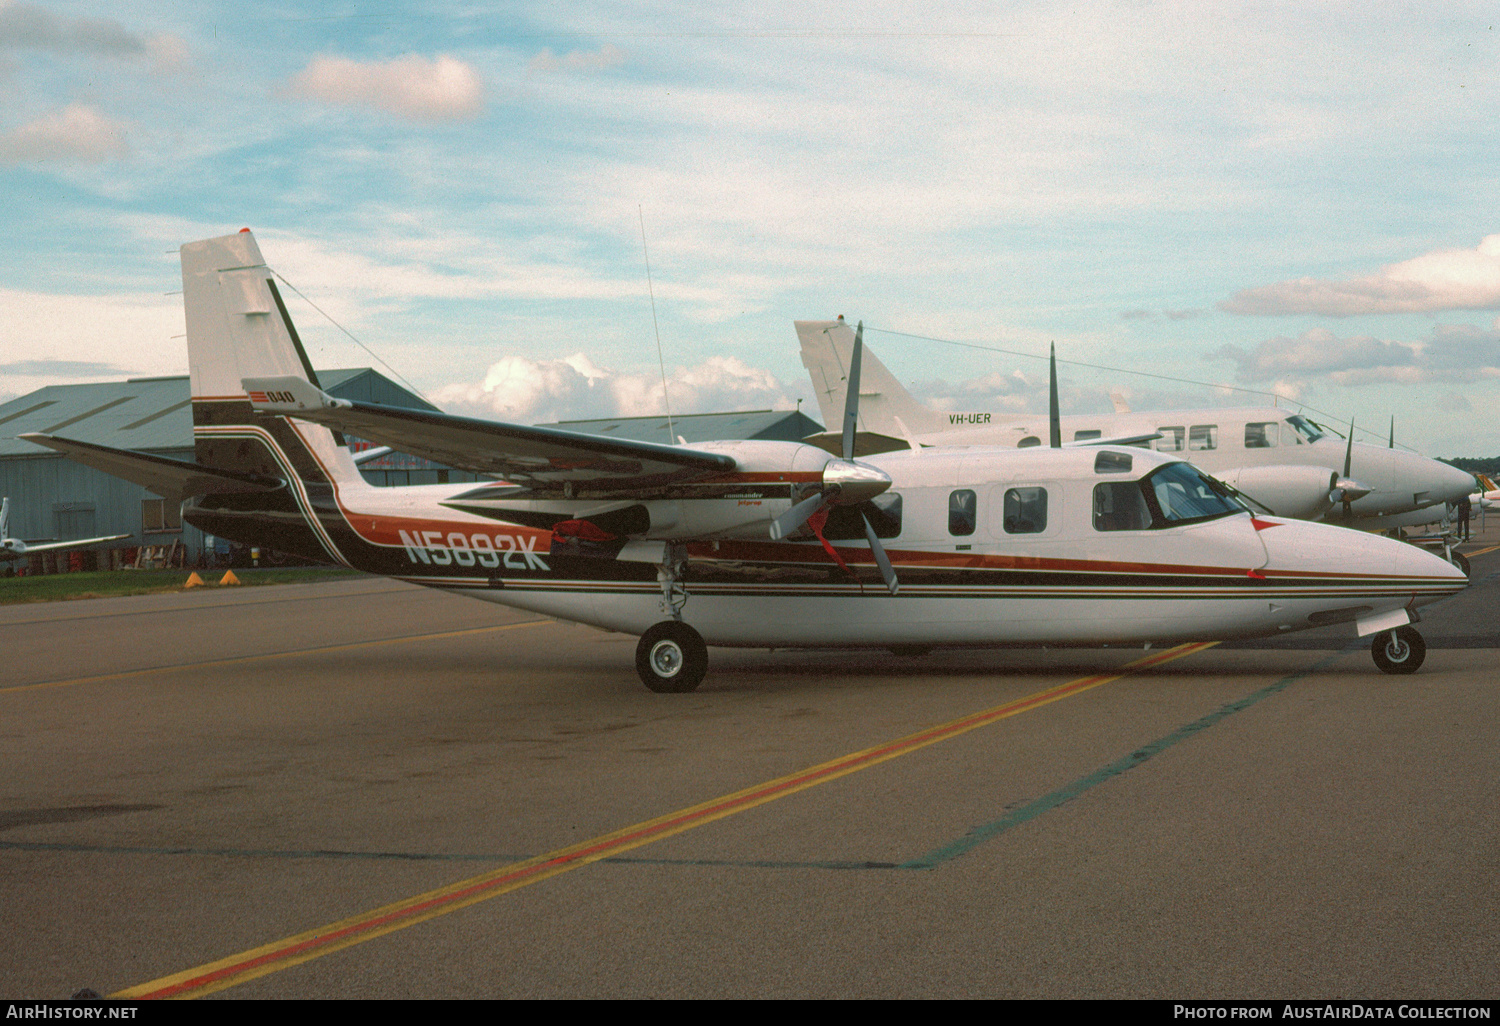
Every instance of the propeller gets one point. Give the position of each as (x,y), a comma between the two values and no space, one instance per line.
(846,482)
(1054,416)
(1347,488)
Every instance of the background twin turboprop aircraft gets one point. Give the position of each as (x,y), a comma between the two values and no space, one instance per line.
(1282,460)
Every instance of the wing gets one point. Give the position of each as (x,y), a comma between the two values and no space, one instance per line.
(76,543)
(167,477)
(545,459)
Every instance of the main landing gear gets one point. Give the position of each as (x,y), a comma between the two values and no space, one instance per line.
(671,658)
(1399,651)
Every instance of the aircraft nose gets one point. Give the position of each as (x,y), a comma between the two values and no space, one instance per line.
(1303,549)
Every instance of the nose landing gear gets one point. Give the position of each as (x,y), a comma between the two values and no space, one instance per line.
(1399,651)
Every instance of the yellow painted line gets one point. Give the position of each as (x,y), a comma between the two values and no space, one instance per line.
(238,660)
(324,940)
(1481,552)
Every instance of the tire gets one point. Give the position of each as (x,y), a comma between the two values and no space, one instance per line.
(911,651)
(1461,561)
(671,658)
(1399,651)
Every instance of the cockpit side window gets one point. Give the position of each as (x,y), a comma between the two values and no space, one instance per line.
(1120,506)
(1262,435)
(1170,440)
(1304,428)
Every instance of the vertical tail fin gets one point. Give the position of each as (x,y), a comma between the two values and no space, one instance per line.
(827,347)
(238,327)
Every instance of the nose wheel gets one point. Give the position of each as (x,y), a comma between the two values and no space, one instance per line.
(1399,651)
(671,658)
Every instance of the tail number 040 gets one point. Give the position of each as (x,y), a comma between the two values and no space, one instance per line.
(459,549)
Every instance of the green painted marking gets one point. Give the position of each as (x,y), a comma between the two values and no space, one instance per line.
(1063,795)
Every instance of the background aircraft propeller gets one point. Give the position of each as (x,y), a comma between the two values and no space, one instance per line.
(1346,489)
(845,481)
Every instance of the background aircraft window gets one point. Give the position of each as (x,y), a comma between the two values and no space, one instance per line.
(961,512)
(1306,428)
(1170,440)
(1083,436)
(1028,442)
(884,511)
(1113,463)
(1262,436)
(1025,510)
(1120,506)
(1203,436)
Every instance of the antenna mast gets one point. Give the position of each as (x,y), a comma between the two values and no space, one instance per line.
(660,360)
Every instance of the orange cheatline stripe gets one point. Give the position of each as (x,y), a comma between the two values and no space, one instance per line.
(324,940)
(270,655)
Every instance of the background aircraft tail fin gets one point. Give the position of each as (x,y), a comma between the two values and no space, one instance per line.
(826,350)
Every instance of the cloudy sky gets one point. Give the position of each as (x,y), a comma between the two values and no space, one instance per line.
(1292,198)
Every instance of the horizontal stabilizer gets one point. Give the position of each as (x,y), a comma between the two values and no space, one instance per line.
(543,458)
(866,443)
(169,478)
(1115,440)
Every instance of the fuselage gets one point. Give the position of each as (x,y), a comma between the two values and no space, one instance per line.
(1221,441)
(993,546)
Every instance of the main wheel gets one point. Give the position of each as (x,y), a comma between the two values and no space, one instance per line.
(1399,651)
(671,658)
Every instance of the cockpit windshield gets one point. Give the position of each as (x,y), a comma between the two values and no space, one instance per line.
(1305,428)
(1184,493)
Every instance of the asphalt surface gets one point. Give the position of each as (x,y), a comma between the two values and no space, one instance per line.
(266,779)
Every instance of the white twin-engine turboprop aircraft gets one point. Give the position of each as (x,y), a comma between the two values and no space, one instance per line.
(1283,461)
(746,543)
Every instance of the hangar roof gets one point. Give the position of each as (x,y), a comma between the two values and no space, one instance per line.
(776,425)
(152,414)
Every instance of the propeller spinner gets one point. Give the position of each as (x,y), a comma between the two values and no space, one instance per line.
(846,482)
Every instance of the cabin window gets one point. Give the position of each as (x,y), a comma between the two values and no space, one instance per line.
(884,512)
(1263,435)
(1203,436)
(962,513)
(160,515)
(1025,510)
(1028,442)
(1120,506)
(1170,440)
(1113,463)
(1084,436)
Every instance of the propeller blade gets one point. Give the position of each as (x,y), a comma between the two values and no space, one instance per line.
(1393,431)
(851,398)
(881,559)
(793,519)
(1348,462)
(1054,417)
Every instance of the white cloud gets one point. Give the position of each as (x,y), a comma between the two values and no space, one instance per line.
(1446,279)
(439,89)
(75,134)
(1452,353)
(521,390)
(607,56)
(66,339)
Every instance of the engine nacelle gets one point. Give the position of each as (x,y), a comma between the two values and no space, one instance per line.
(1288,490)
(768,478)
